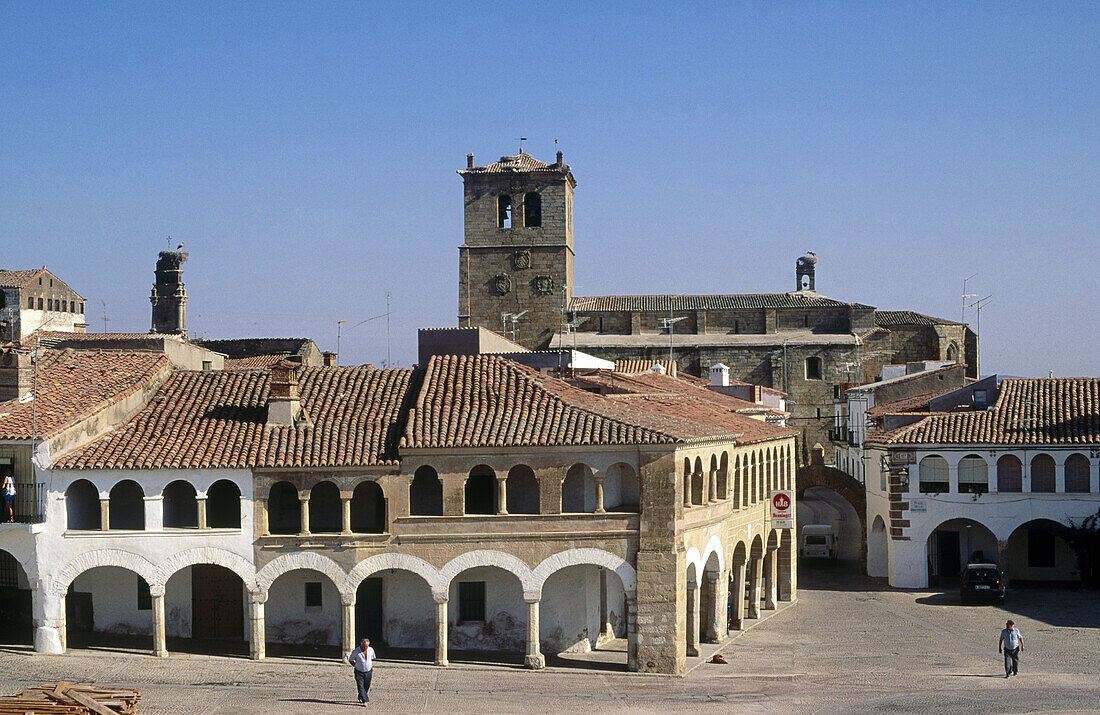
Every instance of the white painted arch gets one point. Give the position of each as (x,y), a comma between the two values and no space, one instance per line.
(304,560)
(472,559)
(102,557)
(401,562)
(206,555)
(593,557)
(714,546)
(693,558)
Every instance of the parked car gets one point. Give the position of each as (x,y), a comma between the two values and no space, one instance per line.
(819,541)
(982,581)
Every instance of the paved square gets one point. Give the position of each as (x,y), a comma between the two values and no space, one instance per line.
(848,645)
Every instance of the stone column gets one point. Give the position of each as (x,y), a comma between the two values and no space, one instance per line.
(687,490)
(606,631)
(502,495)
(263,528)
(304,502)
(1002,554)
(770,581)
(160,647)
(257,649)
(154,513)
(631,617)
(200,504)
(738,586)
(714,611)
(104,512)
(755,565)
(533,659)
(712,486)
(785,570)
(692,619)
(347,624)
(441,624)
(599,494)
(345,520)
(48,631)
(1060,477)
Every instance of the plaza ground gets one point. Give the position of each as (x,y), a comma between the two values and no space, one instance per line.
(848,645)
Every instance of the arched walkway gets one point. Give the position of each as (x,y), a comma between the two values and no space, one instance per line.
(1038,551)
(878,554)
(82,511)
(426,493)
(16,609)
(207,613)
(954,544)
(284,509)
(817,474)
(223,505)
(127,506)
(368,509)
(180,507)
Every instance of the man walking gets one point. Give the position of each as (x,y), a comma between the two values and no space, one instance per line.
(1012,643)
(363,660)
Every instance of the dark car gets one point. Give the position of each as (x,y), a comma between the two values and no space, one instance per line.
(982,581)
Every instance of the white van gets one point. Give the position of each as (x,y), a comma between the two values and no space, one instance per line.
(819,541)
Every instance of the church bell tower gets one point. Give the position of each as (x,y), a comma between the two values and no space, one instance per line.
(169,296)
(515,267)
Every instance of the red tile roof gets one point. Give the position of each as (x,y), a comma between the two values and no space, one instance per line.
(1028,411)
(74,385)
(484,400)
(218,419)
(637,365)
(18,279)
(889,318)
(664,303)
(256,362)
(519,162)
(916,403)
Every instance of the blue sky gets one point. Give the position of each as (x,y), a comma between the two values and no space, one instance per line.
(306,155)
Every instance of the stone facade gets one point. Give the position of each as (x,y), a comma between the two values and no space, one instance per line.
(32,299)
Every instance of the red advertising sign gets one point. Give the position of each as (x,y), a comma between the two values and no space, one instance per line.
(782,509)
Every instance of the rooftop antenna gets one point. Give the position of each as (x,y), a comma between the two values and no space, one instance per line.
(512,318)
(979,304)
(670,323)
(105,319)
(966,295)
(387,329)
(339,325)
(521,140)
(385,315)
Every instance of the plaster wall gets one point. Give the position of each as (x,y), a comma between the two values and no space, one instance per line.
(288,620)
(408,611)
(505,624)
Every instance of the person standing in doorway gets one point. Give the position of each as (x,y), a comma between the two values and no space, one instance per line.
(363,660)
(9,496)
(1012,643)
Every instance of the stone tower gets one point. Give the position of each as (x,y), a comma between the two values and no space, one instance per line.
(517,257)
(804,272)
(169,297)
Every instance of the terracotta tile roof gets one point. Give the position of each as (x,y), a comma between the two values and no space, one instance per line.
(889,318)
(18,279)
(236,348)
(256,362)
(53,336)
(664,303)
(74,385)
(508,164)
(916,403)
(1028,411)
(218,419)
(637,365)
(486,400)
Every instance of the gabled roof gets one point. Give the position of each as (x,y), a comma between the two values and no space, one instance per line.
(256,362)
(1027,411)
(890,318)
(216,419)
(18,279)
(74,385)
(634,366)
(484,400)
(664,303)
(509,164)
(916,403)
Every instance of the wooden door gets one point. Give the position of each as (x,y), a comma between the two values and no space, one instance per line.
(217,603)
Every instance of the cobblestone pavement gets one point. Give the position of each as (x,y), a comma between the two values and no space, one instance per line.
(848,645)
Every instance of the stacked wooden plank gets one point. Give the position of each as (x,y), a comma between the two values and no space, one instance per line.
(66,699)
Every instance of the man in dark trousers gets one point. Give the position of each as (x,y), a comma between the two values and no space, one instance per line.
(1013,644)
(363,660)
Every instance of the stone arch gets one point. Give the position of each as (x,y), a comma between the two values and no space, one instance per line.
(206,555)
(878,555)
(694,561)
(714,546)
(756,549)
(595,557)
(400,562)
(484,557)
(723,487)
(773,540)
(102,557)
(305,560)
(817,474)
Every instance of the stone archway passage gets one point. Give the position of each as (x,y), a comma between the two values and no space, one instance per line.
(817,474)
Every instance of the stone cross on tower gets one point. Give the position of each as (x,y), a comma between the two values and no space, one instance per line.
(169,297)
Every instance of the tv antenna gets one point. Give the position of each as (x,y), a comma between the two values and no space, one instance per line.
(386,315)
(670,324)
(979,304)
(105,319)
(966,296)
(513,318)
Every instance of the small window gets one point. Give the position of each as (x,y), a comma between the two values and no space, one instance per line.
(49,304)
(40,304)
(144,599)
(471,601)
(504,211)
(813,368)
(532,210)
(313,594)
(207,365)
(64,306)
(82,309)
(30,302)
(980,399)
(737,326)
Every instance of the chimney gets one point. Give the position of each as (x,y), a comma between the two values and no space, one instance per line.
(328,358)
(169,297)
(16,375)
(470,160)
(719,376)
(282,395)
(560,161)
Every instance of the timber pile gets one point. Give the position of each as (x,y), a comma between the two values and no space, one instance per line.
(65,699)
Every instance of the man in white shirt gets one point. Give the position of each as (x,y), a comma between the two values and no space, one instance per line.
(363,660)
(1013,643)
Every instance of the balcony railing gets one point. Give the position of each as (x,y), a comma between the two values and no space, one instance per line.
(29,506)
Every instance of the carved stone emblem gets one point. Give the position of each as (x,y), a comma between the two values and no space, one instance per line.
(521,260)
(502,283)
(544,284)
